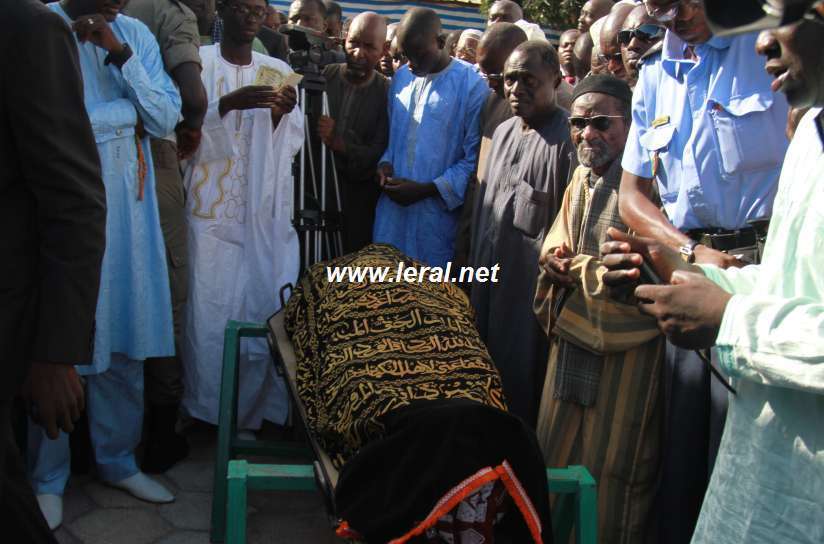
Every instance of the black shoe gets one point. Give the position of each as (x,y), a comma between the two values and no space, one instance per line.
(164,447)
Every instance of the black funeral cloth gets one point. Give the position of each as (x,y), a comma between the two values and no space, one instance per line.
(404,487)
(367,348)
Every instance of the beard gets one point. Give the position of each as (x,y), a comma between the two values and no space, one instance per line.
(358,69)
(595,154)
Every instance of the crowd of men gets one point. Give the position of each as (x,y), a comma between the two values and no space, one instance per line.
(623,182)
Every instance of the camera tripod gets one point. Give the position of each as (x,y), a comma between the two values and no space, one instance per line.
(317,224)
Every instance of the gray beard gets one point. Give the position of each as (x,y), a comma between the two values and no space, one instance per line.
(598,154)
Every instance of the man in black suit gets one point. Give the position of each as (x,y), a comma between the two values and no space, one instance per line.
(52,220)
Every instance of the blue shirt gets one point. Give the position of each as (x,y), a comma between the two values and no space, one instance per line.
(768,481)
(434,134)
(717,129)
(134,309)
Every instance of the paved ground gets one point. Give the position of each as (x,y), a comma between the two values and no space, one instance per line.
(96,514)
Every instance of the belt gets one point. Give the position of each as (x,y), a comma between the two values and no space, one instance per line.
(725,240)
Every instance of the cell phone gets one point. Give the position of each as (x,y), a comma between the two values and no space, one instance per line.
(648,275)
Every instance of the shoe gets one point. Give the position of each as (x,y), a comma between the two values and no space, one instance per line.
(52,508)
(164,448)
(144,488)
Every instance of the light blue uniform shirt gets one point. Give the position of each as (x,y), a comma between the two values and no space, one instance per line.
(717,129)
(134,311)
(768,481)
(434,134)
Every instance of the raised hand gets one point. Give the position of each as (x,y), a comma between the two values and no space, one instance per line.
(95,29)
(624,254)
(556,265)
(251,97)
(689,310)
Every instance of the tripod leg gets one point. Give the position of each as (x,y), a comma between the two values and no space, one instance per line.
(299,219)
(316,237)
(323,182)
(337,234)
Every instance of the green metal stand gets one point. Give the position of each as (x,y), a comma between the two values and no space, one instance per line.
(574,485)
(576,505)
(228,445)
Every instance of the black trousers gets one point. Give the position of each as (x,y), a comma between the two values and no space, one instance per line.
(20,518)
(695,412)
(164,375)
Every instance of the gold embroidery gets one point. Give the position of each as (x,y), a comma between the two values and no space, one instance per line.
(196,193)
(367,349)
(221,192)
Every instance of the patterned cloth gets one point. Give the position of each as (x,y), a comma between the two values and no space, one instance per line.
(579,369)
(366,349)
(616,433)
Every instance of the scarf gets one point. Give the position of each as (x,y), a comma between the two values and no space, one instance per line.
(593,208)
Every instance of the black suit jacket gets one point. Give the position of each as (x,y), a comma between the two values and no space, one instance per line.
(52,200)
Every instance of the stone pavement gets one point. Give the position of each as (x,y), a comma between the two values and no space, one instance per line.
(97,514)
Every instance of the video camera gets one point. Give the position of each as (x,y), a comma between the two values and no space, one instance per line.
(310,50)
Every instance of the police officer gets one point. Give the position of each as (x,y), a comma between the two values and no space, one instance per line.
(708,139)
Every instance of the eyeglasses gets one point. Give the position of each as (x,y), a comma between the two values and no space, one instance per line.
(669,12)
(617,57)
(492,77)
(244,11)
(600,123)
(647,33)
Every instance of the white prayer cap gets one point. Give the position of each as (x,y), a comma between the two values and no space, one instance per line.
(470,33)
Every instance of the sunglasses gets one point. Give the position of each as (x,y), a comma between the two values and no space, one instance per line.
(668,13)
(492,77)
(647,33)
(606,58)
(600,123)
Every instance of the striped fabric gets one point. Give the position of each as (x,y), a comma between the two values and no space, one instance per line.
(454,15)
(618,436)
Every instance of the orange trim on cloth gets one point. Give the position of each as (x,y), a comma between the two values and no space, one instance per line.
(457,494)
(344,531)
(142,168)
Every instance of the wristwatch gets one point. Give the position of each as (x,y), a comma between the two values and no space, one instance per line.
(120,58)
(688,251)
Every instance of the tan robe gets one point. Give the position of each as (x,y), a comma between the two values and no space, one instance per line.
(617,438)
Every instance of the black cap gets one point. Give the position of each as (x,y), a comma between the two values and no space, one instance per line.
(729,17)
(604,84)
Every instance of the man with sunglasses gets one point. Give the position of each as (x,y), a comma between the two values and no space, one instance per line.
(600,405)
(640,37)
(766,320)
(530,160)
(708,138)
(610,50)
